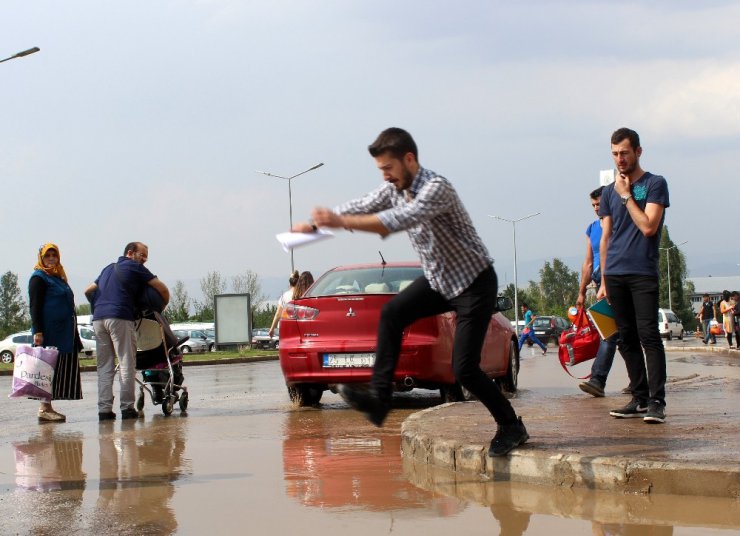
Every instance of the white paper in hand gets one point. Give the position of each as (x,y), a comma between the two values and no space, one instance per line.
(294,240)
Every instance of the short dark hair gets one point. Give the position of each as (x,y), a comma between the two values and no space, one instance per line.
(395,141)
(705,295)
(131,246)
(625,133)
(596,193)
(524,304)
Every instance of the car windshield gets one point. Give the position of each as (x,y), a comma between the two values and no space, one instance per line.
(375,280)
(542,322)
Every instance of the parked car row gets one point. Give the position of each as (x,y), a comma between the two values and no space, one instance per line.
(11,342)
(261,339)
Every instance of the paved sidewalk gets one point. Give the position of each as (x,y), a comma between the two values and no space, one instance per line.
(575,443)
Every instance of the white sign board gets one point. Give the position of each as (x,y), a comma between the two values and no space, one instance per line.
(233,318)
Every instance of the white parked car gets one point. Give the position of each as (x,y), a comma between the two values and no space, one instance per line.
(9,344)
(669,324)
(87,336)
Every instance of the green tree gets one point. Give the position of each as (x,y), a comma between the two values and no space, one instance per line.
(211,285)
(558,288)
(262,318)
(83,309)
(523,295)
(249,283)
(672,257)
(13,310)
(178,310)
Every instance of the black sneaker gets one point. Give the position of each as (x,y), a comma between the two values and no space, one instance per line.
(107,416)
(655,413)
(634,409)
(627,391)
(366,400)
(130,413)
(508,437)
(592,387)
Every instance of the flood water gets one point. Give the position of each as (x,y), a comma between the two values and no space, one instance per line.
(243,461)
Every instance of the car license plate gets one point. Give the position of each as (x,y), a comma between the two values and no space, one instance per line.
(349,360)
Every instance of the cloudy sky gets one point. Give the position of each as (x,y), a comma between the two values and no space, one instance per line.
(146,120)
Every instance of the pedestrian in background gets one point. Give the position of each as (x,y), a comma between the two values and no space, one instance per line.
(528,330)
(458,276)
(632,209)
(707,313)
(285,297)
(735,297)
(305,280)
(116,292)
(591,271)
(54,323)
(727,308)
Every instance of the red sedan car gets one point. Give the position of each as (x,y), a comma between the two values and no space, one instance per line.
(328,337)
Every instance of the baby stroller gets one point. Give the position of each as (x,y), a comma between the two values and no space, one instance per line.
(160,363)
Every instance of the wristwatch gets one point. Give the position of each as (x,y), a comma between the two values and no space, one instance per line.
(626,198)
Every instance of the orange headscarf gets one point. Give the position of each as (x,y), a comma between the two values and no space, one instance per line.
(55,271)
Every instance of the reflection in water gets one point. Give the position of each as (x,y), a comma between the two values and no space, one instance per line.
(512,504)
(50,461)
(331,463)
(137,471)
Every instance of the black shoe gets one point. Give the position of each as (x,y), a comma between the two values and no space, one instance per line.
(655,413)
(107,416)
(592,387)
(130,413)
(635,408)
(705,342)
(508,437)
(366,400)
(627,391)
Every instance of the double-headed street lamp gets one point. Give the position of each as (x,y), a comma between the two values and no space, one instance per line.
(21,54)
(668,260)
(290,197)
(516,298)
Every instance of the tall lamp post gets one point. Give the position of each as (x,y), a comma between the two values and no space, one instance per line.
(290,197)
(21,54)
(516,294)
(668,261)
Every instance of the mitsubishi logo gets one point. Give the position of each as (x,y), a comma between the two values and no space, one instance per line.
(351,312)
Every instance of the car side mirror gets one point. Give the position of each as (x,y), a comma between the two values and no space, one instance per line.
(503,303)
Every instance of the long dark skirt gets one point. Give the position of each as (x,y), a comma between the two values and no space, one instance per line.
(66,383)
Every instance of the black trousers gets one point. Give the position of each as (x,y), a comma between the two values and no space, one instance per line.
(474,308)
(634,299)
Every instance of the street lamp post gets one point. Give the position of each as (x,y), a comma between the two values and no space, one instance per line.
(516,294)
(290,198)
(668,261)
(21,54)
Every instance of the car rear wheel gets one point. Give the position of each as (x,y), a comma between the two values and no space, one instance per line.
(303,395)
(670,335)
(509,382)
(680,335)
(6,356)
(185,349)
(455,393)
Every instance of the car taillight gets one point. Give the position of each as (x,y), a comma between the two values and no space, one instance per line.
(299,312)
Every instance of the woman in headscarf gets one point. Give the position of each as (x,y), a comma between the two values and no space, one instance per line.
(53,323)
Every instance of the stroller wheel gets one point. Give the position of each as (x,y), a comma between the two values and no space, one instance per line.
(168,402)
(184,401)
(140,401)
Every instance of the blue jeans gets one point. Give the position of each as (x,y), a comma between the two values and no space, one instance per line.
(531,336)
(707,332)
(604,359)
(474,307)
(634,299)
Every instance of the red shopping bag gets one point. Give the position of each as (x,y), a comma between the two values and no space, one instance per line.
(579,344)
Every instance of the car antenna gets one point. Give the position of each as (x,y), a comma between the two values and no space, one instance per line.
(383,263)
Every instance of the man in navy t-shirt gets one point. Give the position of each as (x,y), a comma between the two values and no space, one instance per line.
(115,294)
(632,210)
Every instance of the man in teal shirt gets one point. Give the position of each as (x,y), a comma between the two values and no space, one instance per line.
(528,331)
